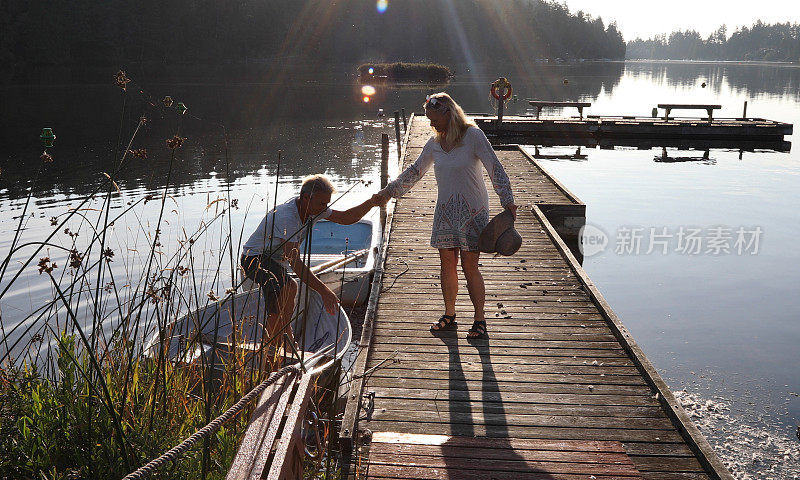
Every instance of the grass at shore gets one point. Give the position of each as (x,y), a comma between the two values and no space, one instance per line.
(67,427)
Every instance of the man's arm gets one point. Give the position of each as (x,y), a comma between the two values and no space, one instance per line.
(291,250)
(352,215)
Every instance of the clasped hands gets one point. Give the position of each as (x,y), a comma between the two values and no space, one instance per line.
(380,199)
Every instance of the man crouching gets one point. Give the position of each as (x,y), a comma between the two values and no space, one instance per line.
(275,246)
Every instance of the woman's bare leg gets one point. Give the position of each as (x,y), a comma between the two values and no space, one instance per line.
(475,285)
(448,258)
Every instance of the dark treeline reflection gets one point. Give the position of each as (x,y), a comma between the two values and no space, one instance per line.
(770,42)
(319,126)
(111,32)
(750,79)
(87,123)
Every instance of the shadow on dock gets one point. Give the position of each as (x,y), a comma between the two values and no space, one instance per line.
(469,454)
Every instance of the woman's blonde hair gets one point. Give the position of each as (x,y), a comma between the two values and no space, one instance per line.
(458,122)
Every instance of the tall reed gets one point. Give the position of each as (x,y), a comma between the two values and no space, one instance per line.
(80,396)
(88,386)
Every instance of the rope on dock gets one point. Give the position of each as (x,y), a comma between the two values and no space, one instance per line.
(177,451)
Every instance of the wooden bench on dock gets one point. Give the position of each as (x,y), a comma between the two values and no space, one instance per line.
(538,105)
(668,107)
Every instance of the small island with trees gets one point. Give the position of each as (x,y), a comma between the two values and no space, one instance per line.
(402,72)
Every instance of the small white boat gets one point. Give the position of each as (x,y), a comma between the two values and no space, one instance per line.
(239,319)
(342,256)
(330,241)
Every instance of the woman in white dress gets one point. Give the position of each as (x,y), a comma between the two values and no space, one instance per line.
(457,150)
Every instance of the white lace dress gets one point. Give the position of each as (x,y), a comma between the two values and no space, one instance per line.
(462,208)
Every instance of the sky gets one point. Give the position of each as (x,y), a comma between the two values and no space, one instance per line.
(644,18)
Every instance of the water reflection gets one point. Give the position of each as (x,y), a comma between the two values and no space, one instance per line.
(742,78)
(664,157)
(346,150)
(579,153)
(537,154)
(735,314)
(231,129)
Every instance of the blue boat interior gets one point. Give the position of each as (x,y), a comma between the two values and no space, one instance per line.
(330,238)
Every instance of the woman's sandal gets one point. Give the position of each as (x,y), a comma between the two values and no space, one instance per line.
(479,328)
(445,322)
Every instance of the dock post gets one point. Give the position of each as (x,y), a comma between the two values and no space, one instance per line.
(744,111)
(405,122)
(384,160)
(384,172)
(397,132)
(501,105)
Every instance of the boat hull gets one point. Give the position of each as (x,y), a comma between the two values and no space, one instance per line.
(239,321)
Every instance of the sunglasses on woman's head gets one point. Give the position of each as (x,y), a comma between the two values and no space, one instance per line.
(434,103)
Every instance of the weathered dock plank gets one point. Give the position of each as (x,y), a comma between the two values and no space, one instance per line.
(440,456)
(558,391)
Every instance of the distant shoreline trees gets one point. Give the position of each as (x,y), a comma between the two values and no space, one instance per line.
(779,42)
(86,33)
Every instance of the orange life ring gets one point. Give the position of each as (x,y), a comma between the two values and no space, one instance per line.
(502,82)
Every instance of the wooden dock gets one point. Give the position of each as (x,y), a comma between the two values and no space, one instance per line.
(631,127)
(560,390)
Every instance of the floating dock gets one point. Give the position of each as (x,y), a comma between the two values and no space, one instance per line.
(602,128)
(560,390)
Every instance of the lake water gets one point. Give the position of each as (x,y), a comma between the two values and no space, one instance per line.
(720,326)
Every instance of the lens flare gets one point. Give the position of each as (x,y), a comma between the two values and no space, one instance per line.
(382,5)
(368,90)
(371,70)
(366,99)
